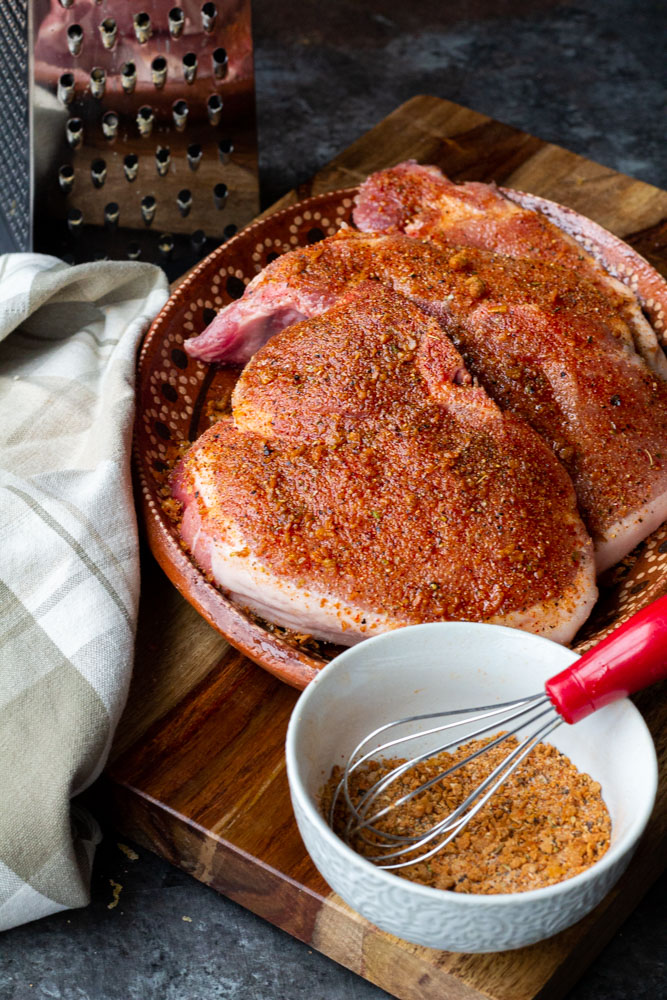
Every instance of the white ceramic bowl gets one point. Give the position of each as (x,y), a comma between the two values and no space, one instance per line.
(454,665)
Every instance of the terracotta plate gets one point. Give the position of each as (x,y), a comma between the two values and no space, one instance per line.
(178,398)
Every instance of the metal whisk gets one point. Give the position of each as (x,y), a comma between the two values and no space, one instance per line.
(632,657)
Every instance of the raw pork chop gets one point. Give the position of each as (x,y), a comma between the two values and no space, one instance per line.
(421,202)
(544,343)
(366,484)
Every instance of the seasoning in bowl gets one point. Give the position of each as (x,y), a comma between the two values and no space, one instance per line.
(547,823)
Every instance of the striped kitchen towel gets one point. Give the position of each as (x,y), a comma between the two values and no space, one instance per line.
(69,570)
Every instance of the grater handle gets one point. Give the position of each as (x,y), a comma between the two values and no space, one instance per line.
(633,657)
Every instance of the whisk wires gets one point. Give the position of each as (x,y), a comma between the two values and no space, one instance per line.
(535,714)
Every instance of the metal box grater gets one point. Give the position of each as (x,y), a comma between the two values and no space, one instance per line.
(15,154)
(127,129)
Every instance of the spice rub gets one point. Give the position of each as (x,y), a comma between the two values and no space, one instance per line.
(547,823)
(366,483)
(547,343)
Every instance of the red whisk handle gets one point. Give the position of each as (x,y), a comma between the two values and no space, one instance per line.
(632,657)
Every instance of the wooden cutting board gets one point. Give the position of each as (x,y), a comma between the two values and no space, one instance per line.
(198,772)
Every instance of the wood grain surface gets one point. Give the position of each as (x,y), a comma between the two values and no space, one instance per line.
(198,771)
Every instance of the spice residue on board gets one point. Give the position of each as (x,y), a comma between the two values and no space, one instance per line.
(547,823)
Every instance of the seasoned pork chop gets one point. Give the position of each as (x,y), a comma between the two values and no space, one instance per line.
(421,202)
(366,483)
(543,342)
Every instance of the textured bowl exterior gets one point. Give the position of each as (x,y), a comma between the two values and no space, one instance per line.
(455,664)
(456,923)
(175,391)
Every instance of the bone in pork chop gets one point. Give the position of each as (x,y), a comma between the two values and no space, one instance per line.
(544,343)
(421,202)
(366,484)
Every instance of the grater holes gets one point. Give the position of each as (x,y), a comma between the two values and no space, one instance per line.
(66,178)
(66,4)
(220,192)
(131,166)
(225,150)
(98,172)
(148,208)
(75,221)
(162,160)
(220,63)
(110,125)
(108,32)
(66,88)
(190,66)
(145,119)
(180,112)
(111,214)
(159,71)
(128,77)
(75,38)
(142,27)
(209,16)
(133,250)
(165,247)
(214,108)
(176,21)
(74,132)
(100,68)
(230,230)
(98,81)
(194,155)
(197,240)
(184,201)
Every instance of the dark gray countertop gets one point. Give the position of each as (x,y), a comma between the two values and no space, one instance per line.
(587,76)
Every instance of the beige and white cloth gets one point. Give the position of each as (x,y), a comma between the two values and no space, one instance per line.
(69,570)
